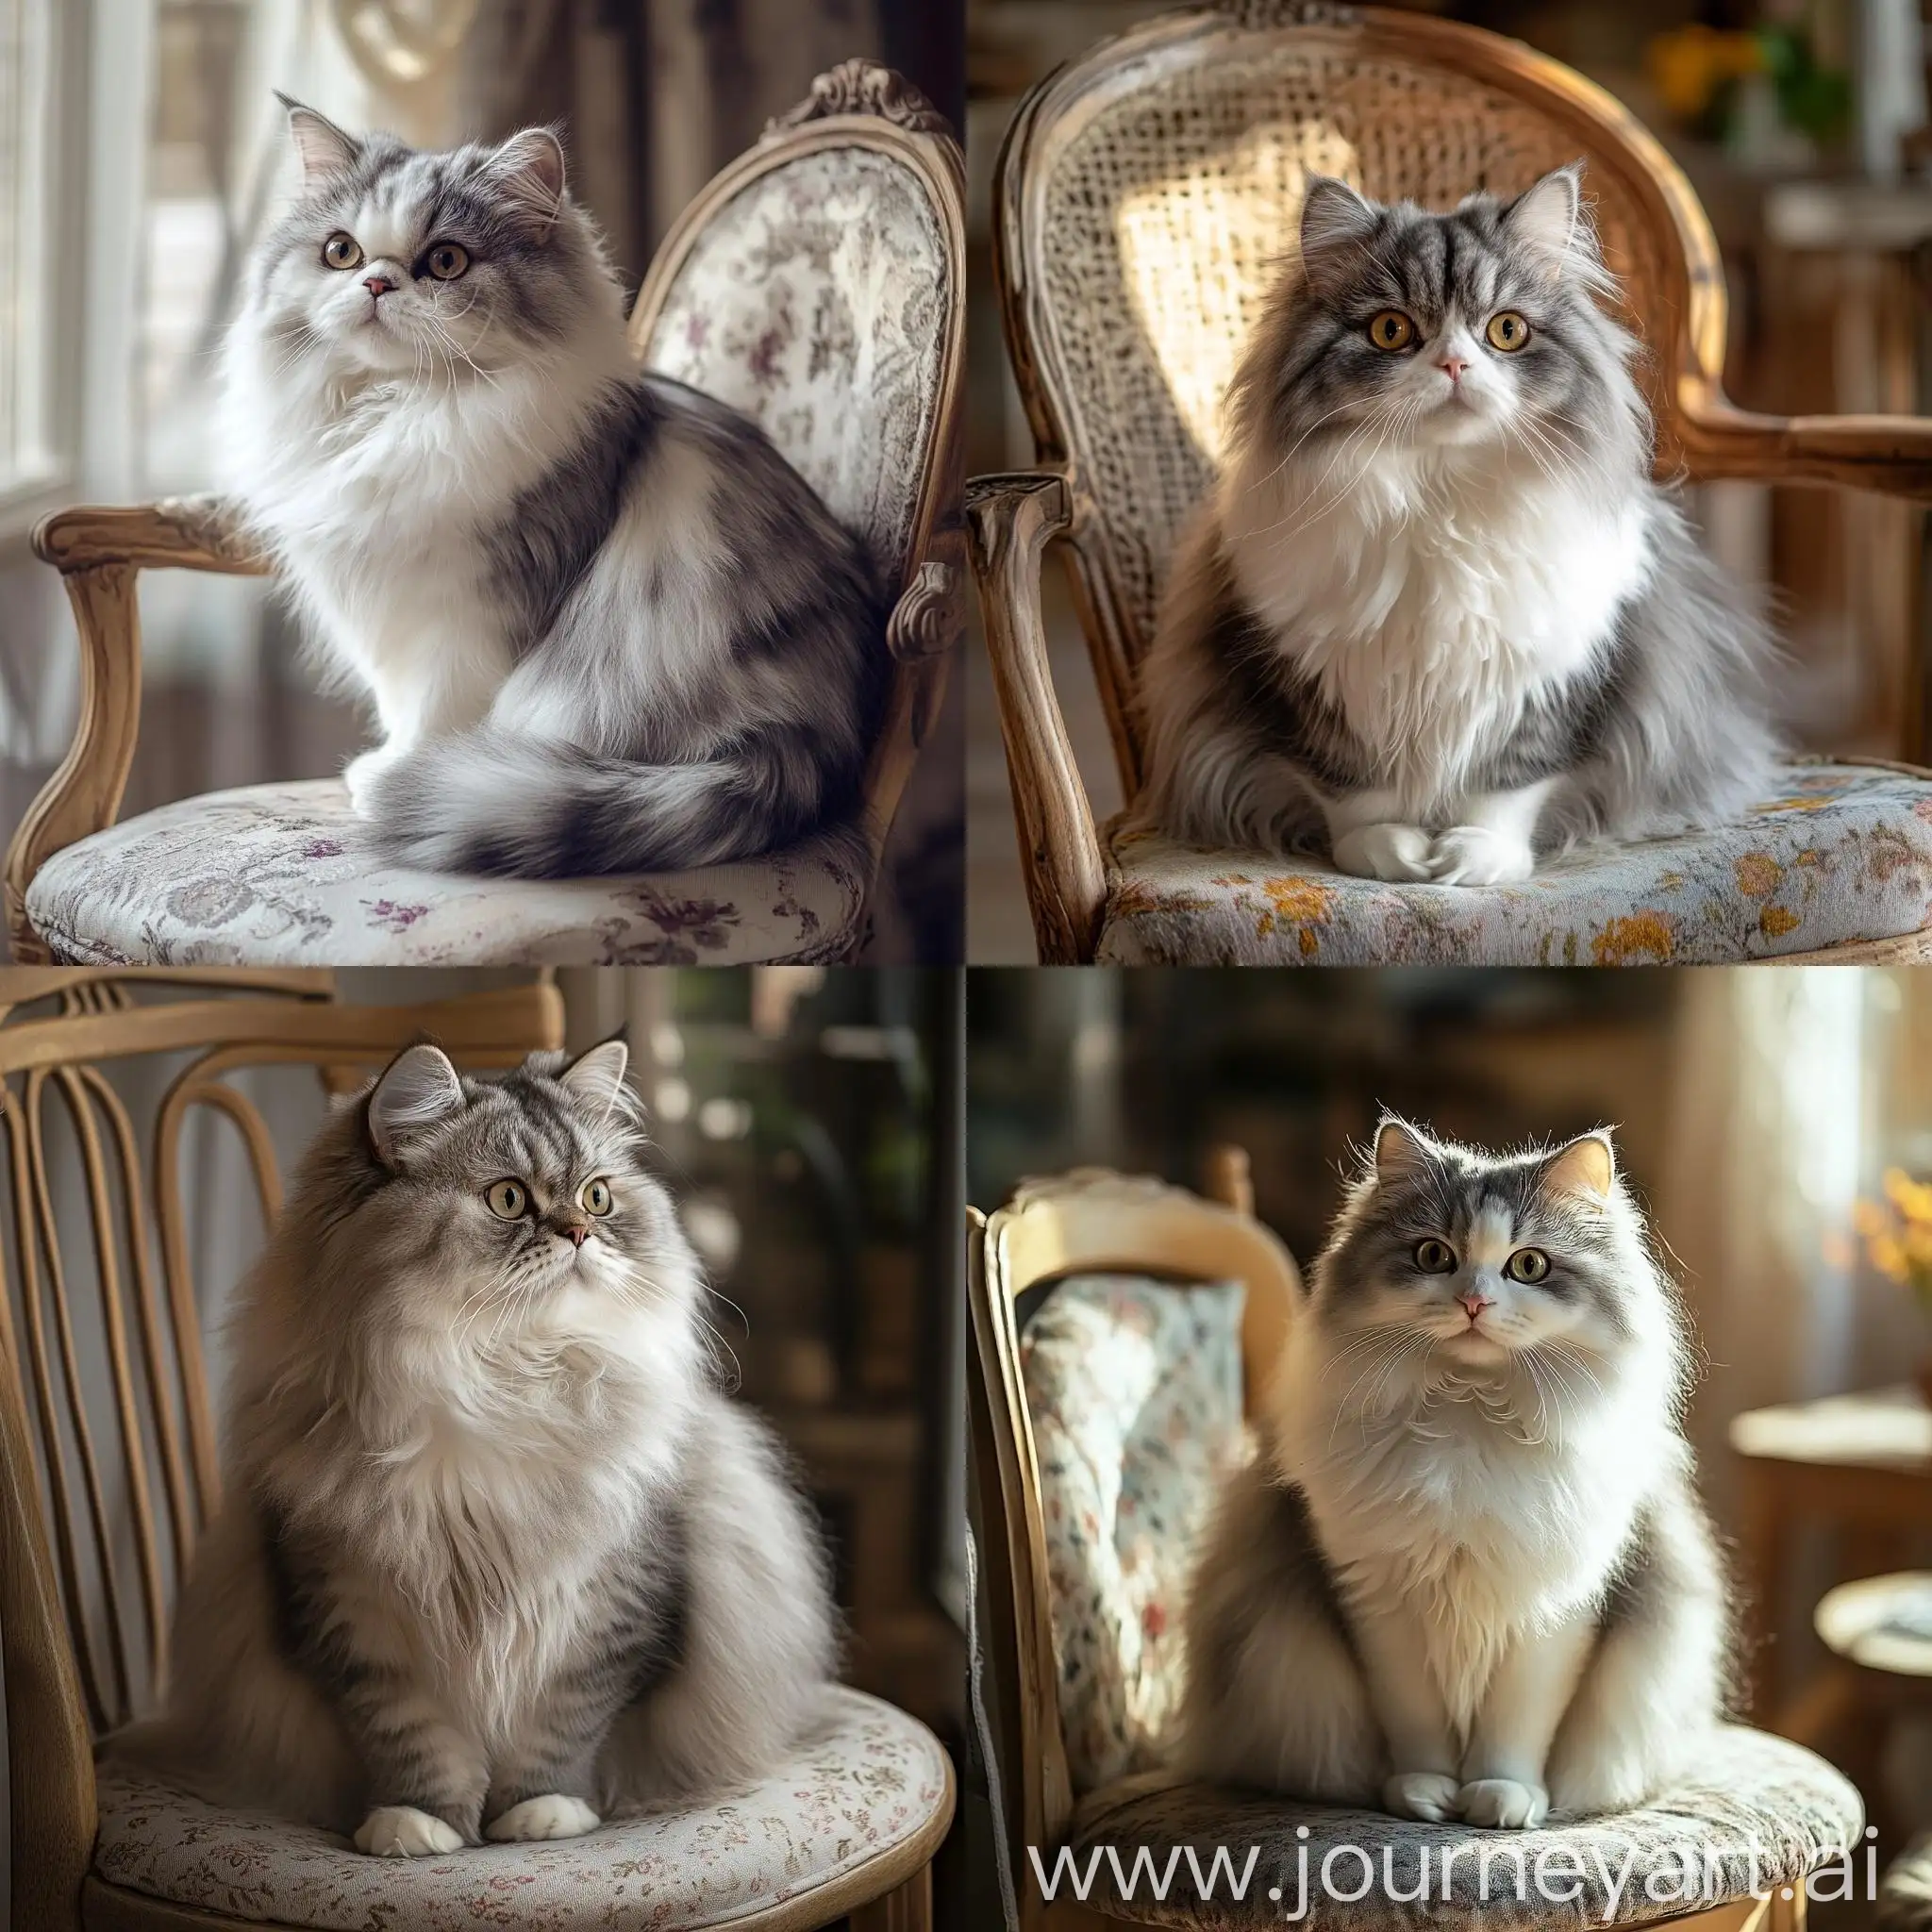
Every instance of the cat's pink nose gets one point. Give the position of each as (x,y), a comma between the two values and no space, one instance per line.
(1453,366)
(1475,1302)
(378,286)
(578,1236)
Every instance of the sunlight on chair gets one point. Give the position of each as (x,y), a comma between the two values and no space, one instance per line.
(1200,250)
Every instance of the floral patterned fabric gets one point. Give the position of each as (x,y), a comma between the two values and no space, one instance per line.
(816,301)
(1757,1812)
(869,1779)
(1134,1388)
(280,876)
(1842,853)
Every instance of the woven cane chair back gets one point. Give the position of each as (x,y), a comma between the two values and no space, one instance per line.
(1149,196)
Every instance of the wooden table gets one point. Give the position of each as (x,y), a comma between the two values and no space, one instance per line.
(1860,1465)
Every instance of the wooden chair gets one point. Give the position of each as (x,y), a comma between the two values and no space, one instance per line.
(1096,1222)
(818,284)
(109,1472)
(1143,197)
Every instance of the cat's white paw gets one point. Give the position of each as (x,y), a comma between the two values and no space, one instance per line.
(1475,855)
(360,774)
(401,1831)
(1502,1804)
(1384,852)
(1429,1795)
(552,1816)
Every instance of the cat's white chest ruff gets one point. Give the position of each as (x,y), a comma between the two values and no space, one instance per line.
(1433,610)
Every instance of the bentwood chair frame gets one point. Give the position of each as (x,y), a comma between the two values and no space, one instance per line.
(1093,1221)
(75,1640)
(99,550)
(1658,239)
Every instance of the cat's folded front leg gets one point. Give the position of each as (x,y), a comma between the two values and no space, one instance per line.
(541,1786)
(1422,1781)
(425,1778)
(1505,1765)
(1369,839)
(1493,843)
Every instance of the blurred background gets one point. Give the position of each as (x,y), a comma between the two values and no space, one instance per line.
(1802,125)
(141,151)
(1777,1126)
(807,1123)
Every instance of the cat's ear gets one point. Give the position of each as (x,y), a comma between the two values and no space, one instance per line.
(324,149)
(1400,1150)
(527,172)
(1586,1170)
(1336,223)
(596,1079)
(1549,218)
(418,1088)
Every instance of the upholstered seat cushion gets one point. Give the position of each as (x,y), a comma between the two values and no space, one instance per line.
(867,1782)
(282,876)
(1842,853)
(1756,1812)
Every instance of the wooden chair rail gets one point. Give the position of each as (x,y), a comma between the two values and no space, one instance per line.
(1889,455)
(1010,519)
(176,533)
(491,1029)
(1089,1220)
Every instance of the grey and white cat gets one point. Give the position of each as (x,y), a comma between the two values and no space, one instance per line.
(605,625)
(1467,1575)
(495,1558)
(1438,619)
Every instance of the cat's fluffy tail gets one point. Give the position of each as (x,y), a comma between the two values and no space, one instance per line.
(481,802)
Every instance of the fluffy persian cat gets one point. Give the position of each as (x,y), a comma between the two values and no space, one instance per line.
(1438,619)
(605,625)
(1468,1575)
(495,1558)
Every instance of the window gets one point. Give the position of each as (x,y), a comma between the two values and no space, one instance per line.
(39,256)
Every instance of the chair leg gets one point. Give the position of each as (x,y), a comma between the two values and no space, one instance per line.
(907,1910)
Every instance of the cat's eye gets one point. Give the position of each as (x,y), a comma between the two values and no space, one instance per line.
(596,1197)
(339,251)
(447,260)
(506,1199)
(1528,1264)
(1506,331)
(1435,1258)
(1392,330)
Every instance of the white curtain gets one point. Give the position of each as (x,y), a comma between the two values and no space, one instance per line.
(1795,1089)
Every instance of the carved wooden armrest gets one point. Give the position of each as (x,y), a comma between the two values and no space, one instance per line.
(98,550)
(177,533)
(1889,454)
(1010,519)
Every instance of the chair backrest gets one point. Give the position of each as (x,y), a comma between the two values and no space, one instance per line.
(818,285)
(1096,1222)
(108,1454)
(1149,194)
